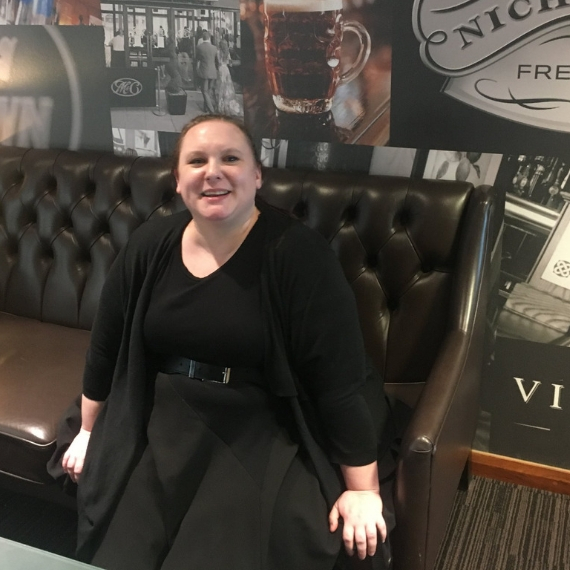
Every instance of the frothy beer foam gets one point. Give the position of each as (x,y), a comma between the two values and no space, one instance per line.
(302,5)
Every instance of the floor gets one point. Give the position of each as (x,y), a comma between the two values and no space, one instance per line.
(157,118)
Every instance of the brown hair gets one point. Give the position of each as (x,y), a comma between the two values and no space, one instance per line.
(205,119)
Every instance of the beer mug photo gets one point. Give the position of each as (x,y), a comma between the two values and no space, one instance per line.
(303,41)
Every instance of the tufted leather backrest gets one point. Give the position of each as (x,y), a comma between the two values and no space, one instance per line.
(64,216)
(402,244)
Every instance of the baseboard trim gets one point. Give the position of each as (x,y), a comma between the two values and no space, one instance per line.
(520,472)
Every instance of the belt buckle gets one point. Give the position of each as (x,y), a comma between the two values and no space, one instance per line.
(204,373)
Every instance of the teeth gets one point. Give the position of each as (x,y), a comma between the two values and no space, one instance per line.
(215,193)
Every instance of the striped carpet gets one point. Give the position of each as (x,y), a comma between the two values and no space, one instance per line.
(500,526)
(494,526)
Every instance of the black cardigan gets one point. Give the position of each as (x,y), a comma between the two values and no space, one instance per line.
(315,359)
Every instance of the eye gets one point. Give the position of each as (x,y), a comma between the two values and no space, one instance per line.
(231,158)
(196,161)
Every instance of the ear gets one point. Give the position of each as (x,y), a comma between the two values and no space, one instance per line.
(258,177)
(176,177)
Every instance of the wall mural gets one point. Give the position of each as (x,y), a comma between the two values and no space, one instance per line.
(524,409)
(465,69)
(166,66)
(336,157)
(66,107)
(57,12)
(344,85)
(147,72)
(318,70)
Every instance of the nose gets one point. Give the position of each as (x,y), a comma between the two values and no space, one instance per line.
(213,170)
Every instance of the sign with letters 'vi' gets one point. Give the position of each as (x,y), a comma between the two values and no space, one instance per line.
(529,396)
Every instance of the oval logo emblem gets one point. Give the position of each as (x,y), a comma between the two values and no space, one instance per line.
(126,87)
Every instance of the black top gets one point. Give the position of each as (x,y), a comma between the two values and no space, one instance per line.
(216,319)
(313,342)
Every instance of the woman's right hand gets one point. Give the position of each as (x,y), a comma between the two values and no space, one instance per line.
(74,457)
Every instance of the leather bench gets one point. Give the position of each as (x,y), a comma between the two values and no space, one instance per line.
(417,253)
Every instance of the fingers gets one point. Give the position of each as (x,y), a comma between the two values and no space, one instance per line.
(382,529)
(333,518)
(65,460)
(371,541)
(364,540)
(348,539)
(77,469)
(363,523)
(72,465)
(74,457)
(361,542)
(68,463)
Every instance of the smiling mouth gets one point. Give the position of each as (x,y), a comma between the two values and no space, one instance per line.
(214,193)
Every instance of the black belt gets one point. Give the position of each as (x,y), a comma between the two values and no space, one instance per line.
(205,372)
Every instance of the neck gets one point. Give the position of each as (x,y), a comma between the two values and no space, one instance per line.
(219,239)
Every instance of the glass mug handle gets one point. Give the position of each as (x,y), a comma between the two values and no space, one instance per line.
(363,54)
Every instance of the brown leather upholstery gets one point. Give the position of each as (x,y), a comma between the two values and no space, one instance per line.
(417,254)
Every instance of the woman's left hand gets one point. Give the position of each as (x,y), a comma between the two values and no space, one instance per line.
(361,512)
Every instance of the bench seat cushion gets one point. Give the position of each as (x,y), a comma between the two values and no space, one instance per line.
(534,315)
(41,367)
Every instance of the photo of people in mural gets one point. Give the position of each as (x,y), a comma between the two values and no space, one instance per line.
(482,76)
(166,65)
(318,70)
(475,167)
(159,65)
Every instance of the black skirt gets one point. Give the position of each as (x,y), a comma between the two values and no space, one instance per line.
(221,485)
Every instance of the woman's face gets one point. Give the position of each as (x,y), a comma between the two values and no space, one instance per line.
(217,174)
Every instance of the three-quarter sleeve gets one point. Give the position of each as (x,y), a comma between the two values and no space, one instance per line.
(326,348)
(106,334)
(120,296)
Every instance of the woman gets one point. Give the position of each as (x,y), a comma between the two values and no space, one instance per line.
(227,102)
(189,464)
